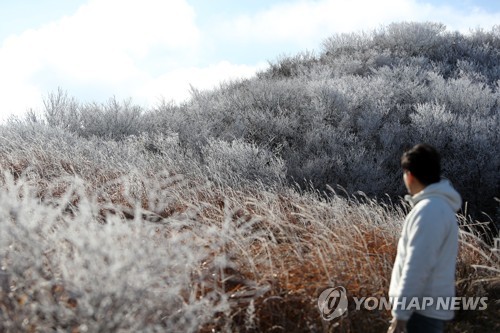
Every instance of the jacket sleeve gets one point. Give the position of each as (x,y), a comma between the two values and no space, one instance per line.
(424,239)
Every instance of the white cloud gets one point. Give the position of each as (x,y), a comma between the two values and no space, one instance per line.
(17,97)
(104,38)
(101,44)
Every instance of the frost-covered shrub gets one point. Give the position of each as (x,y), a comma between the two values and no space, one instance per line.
(66,270)
(114,120)
(290,66)
(406,40)
(409,39)
(346,116)
(238,163)
(46,151)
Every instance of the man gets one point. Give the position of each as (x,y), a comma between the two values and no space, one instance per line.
(427,249)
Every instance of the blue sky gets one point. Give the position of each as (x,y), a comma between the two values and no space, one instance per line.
(152,49)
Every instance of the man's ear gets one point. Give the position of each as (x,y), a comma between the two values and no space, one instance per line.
(410,178)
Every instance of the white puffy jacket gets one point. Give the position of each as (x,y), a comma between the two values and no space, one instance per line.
(427,251)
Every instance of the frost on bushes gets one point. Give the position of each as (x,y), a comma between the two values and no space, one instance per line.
(239,163)
(330,117)
(467,152)
(112,120)
(50,151)
(68,270)
(366,99)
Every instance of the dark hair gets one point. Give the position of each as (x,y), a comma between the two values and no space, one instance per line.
(424,162)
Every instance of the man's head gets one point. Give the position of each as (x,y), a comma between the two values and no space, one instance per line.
(422,167)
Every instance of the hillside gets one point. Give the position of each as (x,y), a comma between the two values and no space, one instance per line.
(342,117)
(234,210)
